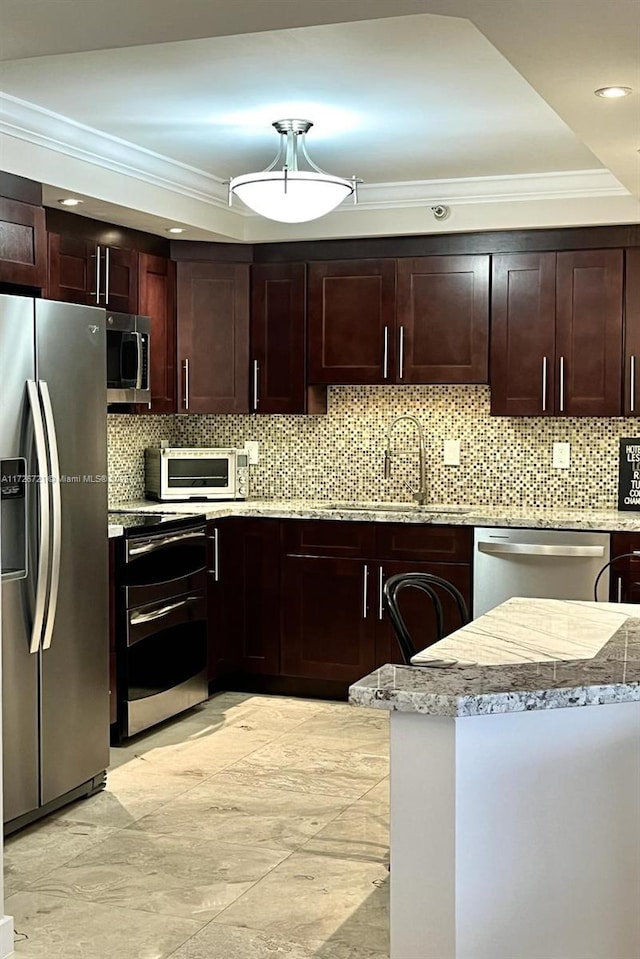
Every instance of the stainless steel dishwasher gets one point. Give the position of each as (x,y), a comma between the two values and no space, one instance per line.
(551,564)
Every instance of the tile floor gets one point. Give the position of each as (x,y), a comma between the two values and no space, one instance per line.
(254,827)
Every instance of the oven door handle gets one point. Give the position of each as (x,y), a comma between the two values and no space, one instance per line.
(136,619)
(536,549)
(150,545)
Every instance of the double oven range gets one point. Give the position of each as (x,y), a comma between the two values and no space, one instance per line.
(160,617)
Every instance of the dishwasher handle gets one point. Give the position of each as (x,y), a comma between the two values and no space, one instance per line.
(538,549)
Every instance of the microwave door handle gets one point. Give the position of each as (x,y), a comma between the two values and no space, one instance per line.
(138,337)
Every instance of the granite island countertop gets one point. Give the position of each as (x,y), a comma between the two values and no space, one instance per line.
(526,654)
(522,517)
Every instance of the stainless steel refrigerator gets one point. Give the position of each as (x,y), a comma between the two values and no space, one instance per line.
(54,554)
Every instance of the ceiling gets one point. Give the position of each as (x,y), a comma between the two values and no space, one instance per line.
(144,113)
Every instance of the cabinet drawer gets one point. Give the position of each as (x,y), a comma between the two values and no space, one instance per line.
(409,541)
(337,538)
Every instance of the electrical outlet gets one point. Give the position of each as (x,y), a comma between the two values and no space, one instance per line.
(562,455)
(251,448)
(452,452)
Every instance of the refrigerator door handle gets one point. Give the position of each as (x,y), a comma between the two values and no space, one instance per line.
(56,513)
(44,531)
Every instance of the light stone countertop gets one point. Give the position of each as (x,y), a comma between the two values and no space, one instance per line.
(525,654)
(459,515)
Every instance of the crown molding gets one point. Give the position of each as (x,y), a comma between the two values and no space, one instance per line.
(43,128)
(36,125)
(562,185)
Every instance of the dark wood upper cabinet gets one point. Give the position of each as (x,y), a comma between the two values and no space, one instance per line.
(523,310)
(118,279)
(81,271)
(433,329)
(278,342)
(156,279)
(631,379)
(351,321)
(556,336)
(23,244)
(213,337)
(589,332)
(443,319)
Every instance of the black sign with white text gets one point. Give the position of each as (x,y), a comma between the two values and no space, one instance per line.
(629,475)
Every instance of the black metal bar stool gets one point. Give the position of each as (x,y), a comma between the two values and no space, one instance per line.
(430,585)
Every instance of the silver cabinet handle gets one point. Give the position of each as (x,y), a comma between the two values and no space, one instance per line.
(544,384)
(216,554)
(365,589)
(256,398)
(97,274)
(562,384)
(56,517)
(401,354)
(534,549)
(186,384)
(45,522)
(380,584)
(106,275)
(150,545)
(385,354)
(619,589)
(632,385)
(137,618)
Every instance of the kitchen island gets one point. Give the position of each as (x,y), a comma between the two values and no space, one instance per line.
(515,786)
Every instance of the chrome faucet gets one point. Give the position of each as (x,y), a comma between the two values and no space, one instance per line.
(419,495)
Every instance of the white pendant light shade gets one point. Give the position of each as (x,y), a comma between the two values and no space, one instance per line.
(299,197)
(290,195)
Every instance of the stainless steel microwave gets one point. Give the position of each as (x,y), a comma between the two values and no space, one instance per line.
(128,352)
(177,474)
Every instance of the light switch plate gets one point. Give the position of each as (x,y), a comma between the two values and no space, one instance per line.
(252,447)
(452,452)
(562,455)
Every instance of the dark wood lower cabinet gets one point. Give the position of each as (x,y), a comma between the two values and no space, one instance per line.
(113,673)
(296,606)
(243,596)
(327,618)
(624,581)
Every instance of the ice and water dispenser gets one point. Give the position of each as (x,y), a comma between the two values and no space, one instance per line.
(13,518)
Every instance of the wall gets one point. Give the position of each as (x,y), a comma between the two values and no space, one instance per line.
(505,461)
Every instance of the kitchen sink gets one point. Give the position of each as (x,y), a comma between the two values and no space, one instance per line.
(399,508)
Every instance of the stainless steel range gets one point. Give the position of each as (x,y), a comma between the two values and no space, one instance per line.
(161,617)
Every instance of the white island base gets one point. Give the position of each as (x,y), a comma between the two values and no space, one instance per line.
(516,835)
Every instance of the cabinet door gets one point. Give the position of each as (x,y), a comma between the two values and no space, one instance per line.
(245,579)
(23,244)
(278,342)
(213,338)
(443,319)
(631,405)
(120,283)
(351,321)
(157,301)
(624,582)
(72,269)
(327,618)
(113,669)
(523,316)
(416,608)
(589,332)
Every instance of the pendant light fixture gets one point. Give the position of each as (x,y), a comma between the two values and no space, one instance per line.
(286,193)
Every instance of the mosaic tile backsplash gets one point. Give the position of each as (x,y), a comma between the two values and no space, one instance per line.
(505,461)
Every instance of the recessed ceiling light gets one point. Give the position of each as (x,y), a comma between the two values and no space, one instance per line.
(612,93)
(69,201)
(175,229)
